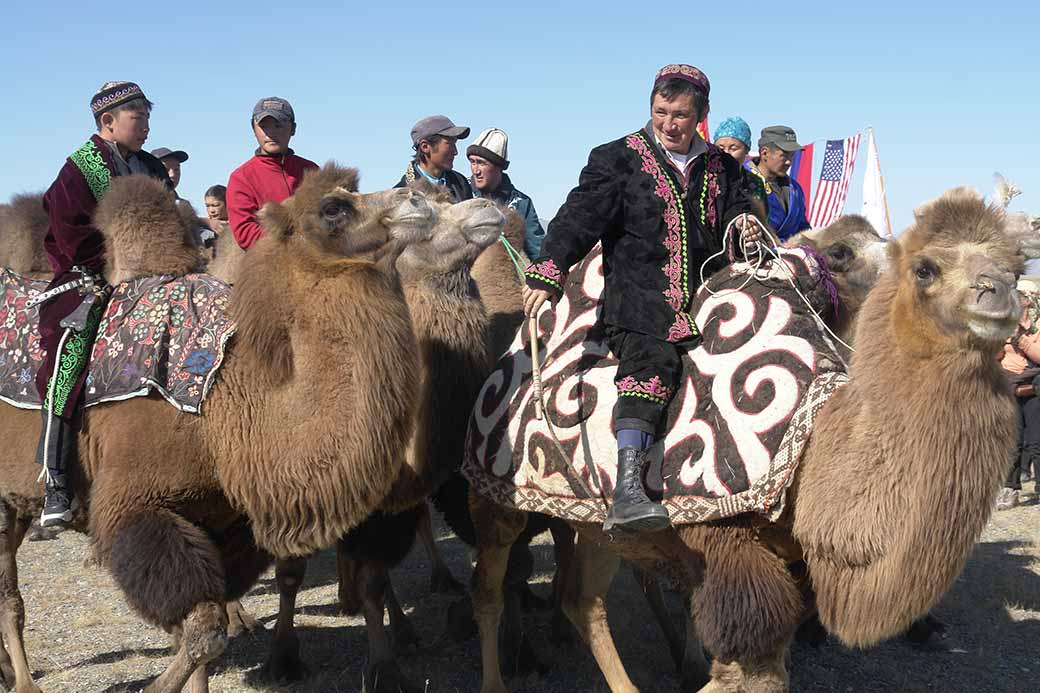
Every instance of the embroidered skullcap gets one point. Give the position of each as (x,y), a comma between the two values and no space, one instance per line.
(736,128)
(112,94)
(687,73)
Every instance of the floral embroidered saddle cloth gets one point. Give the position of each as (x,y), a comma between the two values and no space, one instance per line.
(159,333)
(736,426)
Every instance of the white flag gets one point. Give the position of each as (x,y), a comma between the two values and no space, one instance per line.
(875,207)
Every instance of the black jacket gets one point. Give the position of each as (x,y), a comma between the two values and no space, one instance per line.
(656,232)
(457,184)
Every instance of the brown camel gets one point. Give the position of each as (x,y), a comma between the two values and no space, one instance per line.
(878,549)
(23,226)
(451,327)
(227,256)
(297,443)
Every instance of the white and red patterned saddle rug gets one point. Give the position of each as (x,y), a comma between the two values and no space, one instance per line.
(736,427)
(159,333)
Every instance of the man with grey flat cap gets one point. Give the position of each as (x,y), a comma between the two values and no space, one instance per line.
(433,139)
(172,160)
(776,147)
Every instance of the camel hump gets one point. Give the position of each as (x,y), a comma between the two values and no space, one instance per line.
(147,230)
(23,226)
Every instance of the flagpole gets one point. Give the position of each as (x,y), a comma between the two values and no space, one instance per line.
(881,179)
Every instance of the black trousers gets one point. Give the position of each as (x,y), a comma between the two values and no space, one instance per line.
(1027,454)
(648,372)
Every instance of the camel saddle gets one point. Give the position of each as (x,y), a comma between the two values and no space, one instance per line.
(163,333)
(736,426)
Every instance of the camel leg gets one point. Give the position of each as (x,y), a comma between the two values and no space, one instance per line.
(239,620)
(694,668)
(199,681)
(441,579)
(203,638)
(283,662)
(347,569)
(593,571)
(497,528)
(406,639)
(655,600)
(563,552)
(382,675)
(14,665)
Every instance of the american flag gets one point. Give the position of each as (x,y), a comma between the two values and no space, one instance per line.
(828,200)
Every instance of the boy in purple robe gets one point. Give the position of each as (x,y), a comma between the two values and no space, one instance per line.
(77,295)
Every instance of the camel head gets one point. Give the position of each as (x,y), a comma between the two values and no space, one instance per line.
(855,254)
(328,212)
(460,233)
(147,230)
(956,267)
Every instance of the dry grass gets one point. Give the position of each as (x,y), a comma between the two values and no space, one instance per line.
(82,637)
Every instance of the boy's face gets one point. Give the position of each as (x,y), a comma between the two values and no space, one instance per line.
(173,169)
(127,128)
(216,209)
(273,135)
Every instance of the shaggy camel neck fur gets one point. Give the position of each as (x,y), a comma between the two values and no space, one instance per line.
(23,226)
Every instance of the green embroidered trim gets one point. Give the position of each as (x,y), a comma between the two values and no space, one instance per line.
(655,400)
(91,164)
(543,278)
(74,357)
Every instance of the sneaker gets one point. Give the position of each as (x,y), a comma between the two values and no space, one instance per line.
(56,508)
(1007,498)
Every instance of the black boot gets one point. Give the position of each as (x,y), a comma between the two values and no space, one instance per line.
(631,509)
(56,440)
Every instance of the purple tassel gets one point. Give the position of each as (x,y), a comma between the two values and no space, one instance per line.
(825,276)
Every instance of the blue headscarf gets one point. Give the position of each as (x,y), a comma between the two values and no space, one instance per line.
(736,128)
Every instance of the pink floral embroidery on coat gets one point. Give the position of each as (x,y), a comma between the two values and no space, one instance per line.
(650,389)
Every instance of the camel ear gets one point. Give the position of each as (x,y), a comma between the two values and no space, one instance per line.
(276,220)
(1025,232)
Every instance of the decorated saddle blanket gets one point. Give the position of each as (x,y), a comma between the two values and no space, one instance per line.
(735,428)
(158,333)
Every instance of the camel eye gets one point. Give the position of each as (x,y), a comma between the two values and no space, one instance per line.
(331,210)
(839,253)
(926,272)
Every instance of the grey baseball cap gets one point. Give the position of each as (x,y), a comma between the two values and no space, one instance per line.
(274,106)
(163,152)
(437,125)
(779,136)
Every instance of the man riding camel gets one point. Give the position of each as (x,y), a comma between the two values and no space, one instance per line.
(659,200)
(76,297)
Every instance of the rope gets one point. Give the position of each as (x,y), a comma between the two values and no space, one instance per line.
(515,256)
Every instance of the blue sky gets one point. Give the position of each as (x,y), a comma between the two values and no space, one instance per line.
(950,88)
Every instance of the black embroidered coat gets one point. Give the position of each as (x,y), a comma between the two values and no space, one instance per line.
(656,229)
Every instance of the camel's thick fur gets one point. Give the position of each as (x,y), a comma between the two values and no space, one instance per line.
(298,444)
(23,226)
(883,535)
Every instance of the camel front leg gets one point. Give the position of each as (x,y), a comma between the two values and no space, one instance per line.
(203,638)
(441,579)
(497,529)
(14,665)
(405,637)
(239,620)
(382,675)
(767,675)
(588,581)
(283,662)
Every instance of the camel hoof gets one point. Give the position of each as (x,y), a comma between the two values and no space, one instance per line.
(284,668)
(460,625)
(38,533)
(922,630)
(241,621)
(443,582)
(519,659)
(406,640)
(386,677)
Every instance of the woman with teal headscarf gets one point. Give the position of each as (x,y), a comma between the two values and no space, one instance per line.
(733,136)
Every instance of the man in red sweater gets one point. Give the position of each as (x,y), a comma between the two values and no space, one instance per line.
(273,173)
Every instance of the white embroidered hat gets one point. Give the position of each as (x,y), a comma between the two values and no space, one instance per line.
(492,144)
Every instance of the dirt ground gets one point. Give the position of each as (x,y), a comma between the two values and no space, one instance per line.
(81,636)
